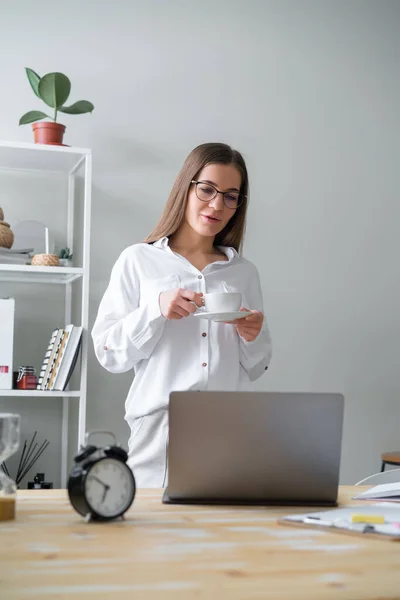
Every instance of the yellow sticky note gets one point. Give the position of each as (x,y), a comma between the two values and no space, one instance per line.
(376,519)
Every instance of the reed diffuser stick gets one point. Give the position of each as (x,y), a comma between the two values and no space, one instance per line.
(29,455)
(33,460)
(4,467)
(21,459)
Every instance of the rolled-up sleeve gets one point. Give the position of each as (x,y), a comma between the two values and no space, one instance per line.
(255,356)
(125,331)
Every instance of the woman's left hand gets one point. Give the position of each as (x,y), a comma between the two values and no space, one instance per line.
(249,327)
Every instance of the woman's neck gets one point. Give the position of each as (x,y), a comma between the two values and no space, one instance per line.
(186,241)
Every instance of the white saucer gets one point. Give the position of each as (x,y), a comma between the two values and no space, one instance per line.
(222,316)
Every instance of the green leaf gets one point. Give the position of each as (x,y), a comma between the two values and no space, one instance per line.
(54,89)
(78,108)
(33,80)
(32,116)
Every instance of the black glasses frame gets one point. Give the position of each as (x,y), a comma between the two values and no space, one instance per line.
(241,197)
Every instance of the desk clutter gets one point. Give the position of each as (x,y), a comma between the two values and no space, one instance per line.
(382,522)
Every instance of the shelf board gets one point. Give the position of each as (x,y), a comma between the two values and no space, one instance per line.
(33,274)
(39,394)
(40,157)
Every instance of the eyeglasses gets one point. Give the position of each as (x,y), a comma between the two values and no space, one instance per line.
(207,192)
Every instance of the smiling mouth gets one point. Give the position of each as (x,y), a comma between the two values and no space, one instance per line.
(211,219)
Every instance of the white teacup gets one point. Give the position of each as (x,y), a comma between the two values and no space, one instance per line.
(222,302)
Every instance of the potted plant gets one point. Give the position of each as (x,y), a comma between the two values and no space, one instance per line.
(54,90)
(65,257)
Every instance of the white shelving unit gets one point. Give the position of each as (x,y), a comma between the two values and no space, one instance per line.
(70,162)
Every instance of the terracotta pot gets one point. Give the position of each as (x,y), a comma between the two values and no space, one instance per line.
(46,132)
(6,235)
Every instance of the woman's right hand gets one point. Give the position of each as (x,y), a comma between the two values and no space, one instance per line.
(179,303)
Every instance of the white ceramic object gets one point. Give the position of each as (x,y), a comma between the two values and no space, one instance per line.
(222,316)
(222,302)
(32,234)
(65,262)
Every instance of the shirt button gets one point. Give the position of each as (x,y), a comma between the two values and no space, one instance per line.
(105,347)
(200,277)
(266,368)
(204,365)
(204,334)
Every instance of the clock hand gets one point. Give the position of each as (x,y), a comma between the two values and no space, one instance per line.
(101,482)
(106,488)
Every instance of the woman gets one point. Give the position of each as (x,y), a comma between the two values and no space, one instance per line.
(145,317)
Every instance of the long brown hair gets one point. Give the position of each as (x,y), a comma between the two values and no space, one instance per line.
(174,211)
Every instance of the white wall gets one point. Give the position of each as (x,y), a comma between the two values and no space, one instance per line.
(309,92)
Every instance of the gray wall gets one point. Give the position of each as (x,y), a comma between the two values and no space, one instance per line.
(309,92)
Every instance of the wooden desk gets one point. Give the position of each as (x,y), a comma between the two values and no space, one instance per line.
(179,552)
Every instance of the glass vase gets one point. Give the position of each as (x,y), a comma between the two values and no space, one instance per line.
(9,444)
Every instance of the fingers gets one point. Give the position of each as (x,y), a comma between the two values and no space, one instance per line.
(247,330)
(249,327)
(255,316)
(249,334)
(242,321)
(186,305)
(254,319)
(243,326)
(180,310)
(179,303)
(189,301)
(186,302)
(195,297)
(174,316)
(248,337)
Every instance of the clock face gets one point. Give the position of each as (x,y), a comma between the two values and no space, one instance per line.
(109,487)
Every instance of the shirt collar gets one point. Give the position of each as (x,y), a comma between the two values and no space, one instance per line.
(227,250)
(162,243)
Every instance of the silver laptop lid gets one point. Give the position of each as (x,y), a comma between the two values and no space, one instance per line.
(272,447)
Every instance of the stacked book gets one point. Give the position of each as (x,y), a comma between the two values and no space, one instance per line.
(60,358)
(11,256)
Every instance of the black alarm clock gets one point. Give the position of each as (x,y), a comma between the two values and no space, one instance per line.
(101,486)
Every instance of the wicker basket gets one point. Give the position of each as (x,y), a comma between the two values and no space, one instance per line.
(6,235)
(1,214)
(45,260)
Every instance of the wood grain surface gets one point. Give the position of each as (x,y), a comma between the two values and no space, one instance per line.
(179,552)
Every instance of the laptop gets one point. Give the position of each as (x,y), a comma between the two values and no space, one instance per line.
(254,448)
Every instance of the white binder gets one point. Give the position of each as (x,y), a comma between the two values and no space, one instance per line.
(7,314)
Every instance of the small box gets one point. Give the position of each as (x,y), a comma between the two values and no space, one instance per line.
(7,315)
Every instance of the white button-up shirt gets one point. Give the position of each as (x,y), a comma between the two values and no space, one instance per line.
(171,355)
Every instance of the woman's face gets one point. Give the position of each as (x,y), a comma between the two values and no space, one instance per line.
(209,216)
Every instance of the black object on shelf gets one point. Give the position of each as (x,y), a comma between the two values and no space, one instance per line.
(39,483)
